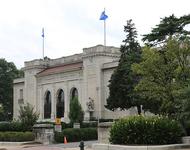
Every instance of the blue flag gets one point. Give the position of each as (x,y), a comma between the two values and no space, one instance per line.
(103,16)
(43,32)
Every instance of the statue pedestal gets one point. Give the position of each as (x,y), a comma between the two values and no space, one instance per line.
(76,125)
(186,139)
(44,133)
(88,115)
(104,132)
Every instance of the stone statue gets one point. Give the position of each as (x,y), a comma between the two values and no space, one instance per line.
(90,104)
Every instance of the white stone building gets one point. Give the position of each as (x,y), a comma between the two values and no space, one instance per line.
(50,84)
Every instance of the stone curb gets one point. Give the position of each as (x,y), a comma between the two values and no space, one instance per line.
(18,143)
(123,147)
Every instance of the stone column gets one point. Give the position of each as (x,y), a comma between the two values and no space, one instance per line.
(53,101)
(42,93)
(40,102)
(67,100)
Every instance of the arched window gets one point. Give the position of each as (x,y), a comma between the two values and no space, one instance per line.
(60,106)
(47,105)
(74,93)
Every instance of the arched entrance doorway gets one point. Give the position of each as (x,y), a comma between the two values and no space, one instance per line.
(47,105)
(74,93)
(60,105)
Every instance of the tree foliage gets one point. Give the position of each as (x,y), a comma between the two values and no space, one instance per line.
(123,80)
(168,26)
(76,113)
(165,74)
(28,116)
(8,72)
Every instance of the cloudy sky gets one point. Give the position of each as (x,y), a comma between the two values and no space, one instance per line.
(71,25)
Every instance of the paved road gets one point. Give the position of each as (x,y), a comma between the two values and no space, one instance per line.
(75,144)
(38,147)
(69,146)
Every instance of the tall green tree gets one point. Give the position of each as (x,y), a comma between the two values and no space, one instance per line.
(123,80)
(167,27)
(76,114)
(165,74)
(8,72)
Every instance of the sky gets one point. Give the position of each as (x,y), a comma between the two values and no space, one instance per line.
(71,25)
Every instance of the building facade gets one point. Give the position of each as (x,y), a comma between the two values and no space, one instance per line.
(50,84)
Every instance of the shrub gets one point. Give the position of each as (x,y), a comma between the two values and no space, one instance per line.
(146,130)
(11,126)
(16,136)
(27,116)
(75,135)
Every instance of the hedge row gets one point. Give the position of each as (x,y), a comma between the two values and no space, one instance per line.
(82,125)
(11,126)
(146,130)
(75,135)
(16,136)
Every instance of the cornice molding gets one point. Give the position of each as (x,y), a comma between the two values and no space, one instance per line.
(101,54)
(34,67)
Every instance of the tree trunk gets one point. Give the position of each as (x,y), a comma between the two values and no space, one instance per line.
(139,109)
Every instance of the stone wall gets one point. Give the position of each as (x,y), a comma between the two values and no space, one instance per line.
(18,99)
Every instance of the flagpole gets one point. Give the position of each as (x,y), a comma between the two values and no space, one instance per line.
(104,31)
(43,43)
(104,17)
(43,49)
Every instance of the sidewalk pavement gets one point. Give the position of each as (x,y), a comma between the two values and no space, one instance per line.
(29,146)
(38,147)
